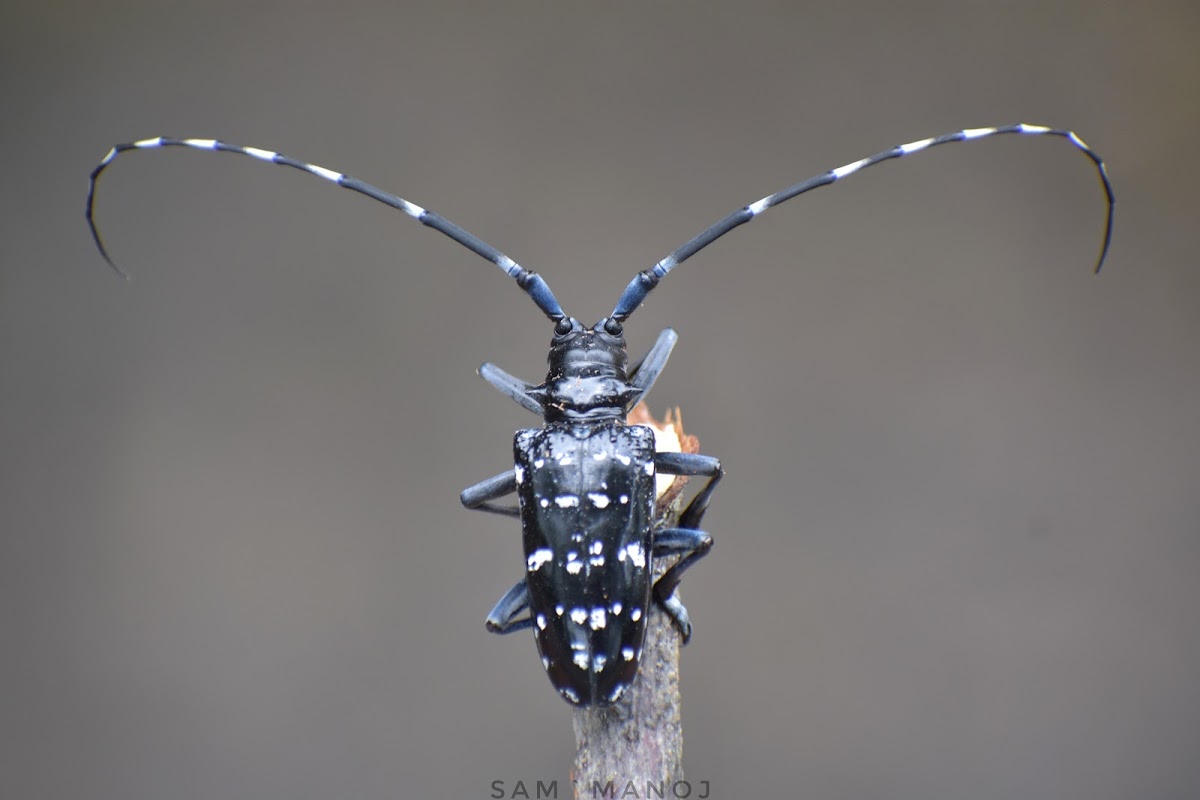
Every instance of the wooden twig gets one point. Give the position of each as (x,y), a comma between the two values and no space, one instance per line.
(638,741)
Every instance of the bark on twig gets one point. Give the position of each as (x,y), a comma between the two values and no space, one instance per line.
(639,740)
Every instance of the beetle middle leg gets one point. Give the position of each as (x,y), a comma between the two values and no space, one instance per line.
(687,539)
(502,618)
(481,495)
(692,464)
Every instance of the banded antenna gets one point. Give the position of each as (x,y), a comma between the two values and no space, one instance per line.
(644,282)
(531,282)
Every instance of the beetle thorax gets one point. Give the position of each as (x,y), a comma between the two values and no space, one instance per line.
(587,378)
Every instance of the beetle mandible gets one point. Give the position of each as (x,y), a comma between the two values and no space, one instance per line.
(585,480)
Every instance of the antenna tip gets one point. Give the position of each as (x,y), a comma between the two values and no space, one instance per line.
(113,266)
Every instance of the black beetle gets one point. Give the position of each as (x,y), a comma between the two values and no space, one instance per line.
(585,483)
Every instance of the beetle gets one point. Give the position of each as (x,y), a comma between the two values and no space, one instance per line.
(585,480)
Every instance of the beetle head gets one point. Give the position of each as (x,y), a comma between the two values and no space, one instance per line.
(587,379)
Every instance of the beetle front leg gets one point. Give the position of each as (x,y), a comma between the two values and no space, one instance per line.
(643,374)
(502,618)
(480,495)
(511,386)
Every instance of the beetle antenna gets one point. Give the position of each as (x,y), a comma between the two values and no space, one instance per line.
(531,282)
(644,282)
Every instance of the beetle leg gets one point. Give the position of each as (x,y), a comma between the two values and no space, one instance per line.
(693,545)
(686,539)
(643,374)
(511,386)
(692,464)
(515,601)
(480,495)
(680,541)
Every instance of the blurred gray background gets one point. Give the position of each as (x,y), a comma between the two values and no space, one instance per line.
(958,547)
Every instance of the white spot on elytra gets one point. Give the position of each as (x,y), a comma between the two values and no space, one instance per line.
(596,561)
(569,693)
(519,472)
(566,501)
(579,615)
(599,618)
(599,661)
(636,554)
(598,500)
(581,660)
(541,622)
(546,662)
(635,614)
(597,547)
(538,558)
(565,461)
(544,503)
(618,688)
(600,456)
(624,459)
(649,467)
(627,653)
(574,567)
(559,610)
(539,463)
(616,607)
(624,499)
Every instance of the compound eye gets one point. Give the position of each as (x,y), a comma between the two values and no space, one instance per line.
(562,327)
(612,327)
